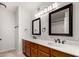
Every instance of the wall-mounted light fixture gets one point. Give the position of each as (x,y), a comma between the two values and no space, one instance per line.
(49,8)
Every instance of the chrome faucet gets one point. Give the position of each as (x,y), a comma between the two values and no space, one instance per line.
(57,40)
(63,41)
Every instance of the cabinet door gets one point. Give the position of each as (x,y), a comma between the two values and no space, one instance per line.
(33,52)
(27,48)
(27,51)
(27,43)
(34,45)
(42,54)
(59,53)
(44,49)
(23,46)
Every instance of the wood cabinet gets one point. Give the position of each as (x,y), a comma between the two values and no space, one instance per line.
(42,54)
(35,50)
(43,51)
(26,47)
(27,51)
(56,53)
(33,45)
(23,46)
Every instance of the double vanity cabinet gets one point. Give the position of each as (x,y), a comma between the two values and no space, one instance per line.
(32,49)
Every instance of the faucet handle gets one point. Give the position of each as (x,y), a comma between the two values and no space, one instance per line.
(59,41)
(63,41)
(55,40)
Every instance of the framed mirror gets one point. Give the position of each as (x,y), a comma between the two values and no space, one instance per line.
(36,27)
(60,21)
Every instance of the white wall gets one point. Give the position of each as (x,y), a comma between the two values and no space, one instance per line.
(44,23)
(7,30)
(11,37)
(24,25)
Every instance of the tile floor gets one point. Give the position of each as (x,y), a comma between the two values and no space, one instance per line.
(11,54)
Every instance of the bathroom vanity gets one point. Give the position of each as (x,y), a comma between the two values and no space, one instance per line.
(33,49)
(60,24)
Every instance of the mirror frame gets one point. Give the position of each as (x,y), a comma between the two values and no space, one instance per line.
(70,6)
(39,27)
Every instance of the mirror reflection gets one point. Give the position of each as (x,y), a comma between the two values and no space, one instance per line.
(60,21)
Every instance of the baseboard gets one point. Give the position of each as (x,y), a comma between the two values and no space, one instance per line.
(6,50)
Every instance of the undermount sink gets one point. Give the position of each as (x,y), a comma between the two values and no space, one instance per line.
(54,44)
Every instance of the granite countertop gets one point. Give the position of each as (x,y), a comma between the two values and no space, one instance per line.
(70,49)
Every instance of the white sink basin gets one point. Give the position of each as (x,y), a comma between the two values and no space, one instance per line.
(55,44)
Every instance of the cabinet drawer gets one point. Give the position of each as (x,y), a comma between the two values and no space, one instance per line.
(59,53)
(42,54)
(33,52)
(33,45)
(27,43)
(44,49)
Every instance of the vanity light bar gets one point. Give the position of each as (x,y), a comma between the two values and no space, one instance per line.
(49,8)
